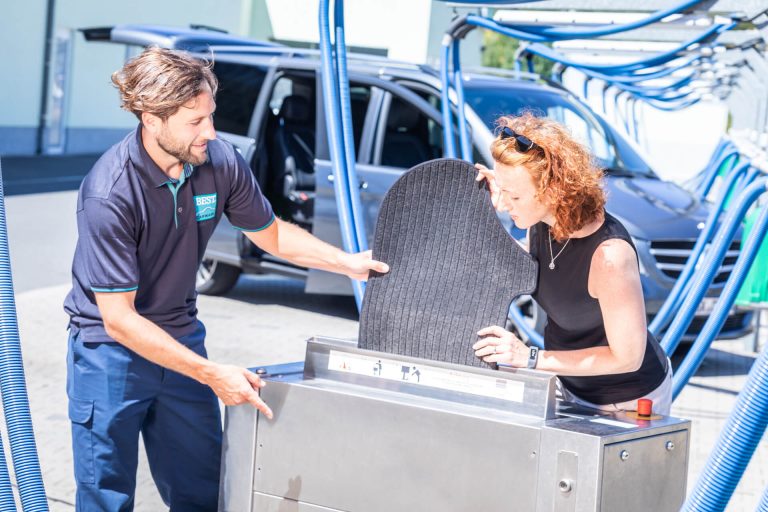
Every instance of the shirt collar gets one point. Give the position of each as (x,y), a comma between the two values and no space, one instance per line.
(148,169)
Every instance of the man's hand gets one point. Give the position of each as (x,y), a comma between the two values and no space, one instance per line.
(484,173)
(358,266)
(235,386)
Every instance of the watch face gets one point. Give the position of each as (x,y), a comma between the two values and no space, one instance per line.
(533,357)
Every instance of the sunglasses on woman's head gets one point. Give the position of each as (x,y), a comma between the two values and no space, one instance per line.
(523,143)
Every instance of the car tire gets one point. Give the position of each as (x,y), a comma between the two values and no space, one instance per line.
(215,278)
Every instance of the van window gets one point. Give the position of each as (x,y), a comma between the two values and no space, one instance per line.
(239,87)
(410,137)
(359,98)
(490,102)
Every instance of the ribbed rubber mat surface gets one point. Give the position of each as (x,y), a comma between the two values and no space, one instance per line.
(454,269)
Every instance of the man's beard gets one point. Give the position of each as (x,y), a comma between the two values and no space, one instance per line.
(178,150)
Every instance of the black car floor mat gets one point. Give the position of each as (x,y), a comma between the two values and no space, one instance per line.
(454,269)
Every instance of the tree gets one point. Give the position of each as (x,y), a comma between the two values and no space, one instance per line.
(499,52)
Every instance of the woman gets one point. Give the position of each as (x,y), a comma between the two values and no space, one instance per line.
(596,339)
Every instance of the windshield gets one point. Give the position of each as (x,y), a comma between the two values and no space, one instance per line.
(490,102)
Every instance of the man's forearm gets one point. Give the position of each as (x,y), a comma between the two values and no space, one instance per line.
(301,248)
(152,343)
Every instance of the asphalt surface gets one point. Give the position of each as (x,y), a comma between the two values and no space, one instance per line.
(262,321)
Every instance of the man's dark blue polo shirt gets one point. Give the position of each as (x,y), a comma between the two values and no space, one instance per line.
(140,230)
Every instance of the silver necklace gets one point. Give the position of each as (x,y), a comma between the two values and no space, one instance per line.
(552,257)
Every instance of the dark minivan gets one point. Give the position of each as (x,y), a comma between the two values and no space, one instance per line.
(269,106)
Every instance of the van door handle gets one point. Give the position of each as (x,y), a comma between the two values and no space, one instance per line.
(363,184)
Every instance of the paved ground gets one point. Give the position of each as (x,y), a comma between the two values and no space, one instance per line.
(263,321)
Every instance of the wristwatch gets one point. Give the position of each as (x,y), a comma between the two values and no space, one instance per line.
(533,357)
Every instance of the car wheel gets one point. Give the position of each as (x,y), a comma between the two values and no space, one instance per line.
(215,277)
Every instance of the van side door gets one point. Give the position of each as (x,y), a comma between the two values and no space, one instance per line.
(388,141)
(240,102)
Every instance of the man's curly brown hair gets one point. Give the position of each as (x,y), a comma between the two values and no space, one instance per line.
(159,81)
(562,169)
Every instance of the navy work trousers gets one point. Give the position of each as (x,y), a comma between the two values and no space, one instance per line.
(113,395)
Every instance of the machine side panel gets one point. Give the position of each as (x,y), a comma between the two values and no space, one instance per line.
(646,474)
(570,458)
(354,453)
(237,458)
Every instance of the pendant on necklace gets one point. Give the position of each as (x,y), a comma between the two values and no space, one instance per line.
(551,265)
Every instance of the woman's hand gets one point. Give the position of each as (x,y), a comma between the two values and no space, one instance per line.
(498,345)
(484,173)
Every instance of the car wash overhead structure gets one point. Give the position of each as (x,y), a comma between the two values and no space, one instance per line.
(684,46)
(721,69)
(650,79)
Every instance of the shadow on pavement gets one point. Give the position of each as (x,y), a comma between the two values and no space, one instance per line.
(289,292)
(717,363)
(38,174)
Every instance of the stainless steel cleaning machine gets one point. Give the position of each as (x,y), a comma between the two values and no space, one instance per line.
(363,431)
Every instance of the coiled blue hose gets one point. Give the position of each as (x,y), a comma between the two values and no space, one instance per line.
(6,492)
(672,302)
(14,391)
(712,262)
(736,444)
(717,318)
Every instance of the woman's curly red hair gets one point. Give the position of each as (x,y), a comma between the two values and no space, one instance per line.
(562,169)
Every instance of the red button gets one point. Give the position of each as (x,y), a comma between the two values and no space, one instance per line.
(644,407)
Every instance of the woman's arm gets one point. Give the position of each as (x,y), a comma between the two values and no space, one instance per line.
(614,280)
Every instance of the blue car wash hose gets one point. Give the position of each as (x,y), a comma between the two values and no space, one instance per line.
(717,318)
(734,181)
(348,139)
(736,445)
(534,338)
(729,158)
(350,218)
(14,391)
(712,262)
(763,505)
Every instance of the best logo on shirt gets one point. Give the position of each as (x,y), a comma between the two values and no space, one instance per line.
(205,207)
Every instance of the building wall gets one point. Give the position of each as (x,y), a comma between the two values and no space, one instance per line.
(95,119)
(22,33)
(83,107)
(92,117)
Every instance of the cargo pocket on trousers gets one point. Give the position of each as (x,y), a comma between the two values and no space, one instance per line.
(81,416)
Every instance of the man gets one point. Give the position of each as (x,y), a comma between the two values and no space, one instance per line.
(136,360)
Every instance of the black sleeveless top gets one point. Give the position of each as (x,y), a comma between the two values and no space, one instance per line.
(574,319)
